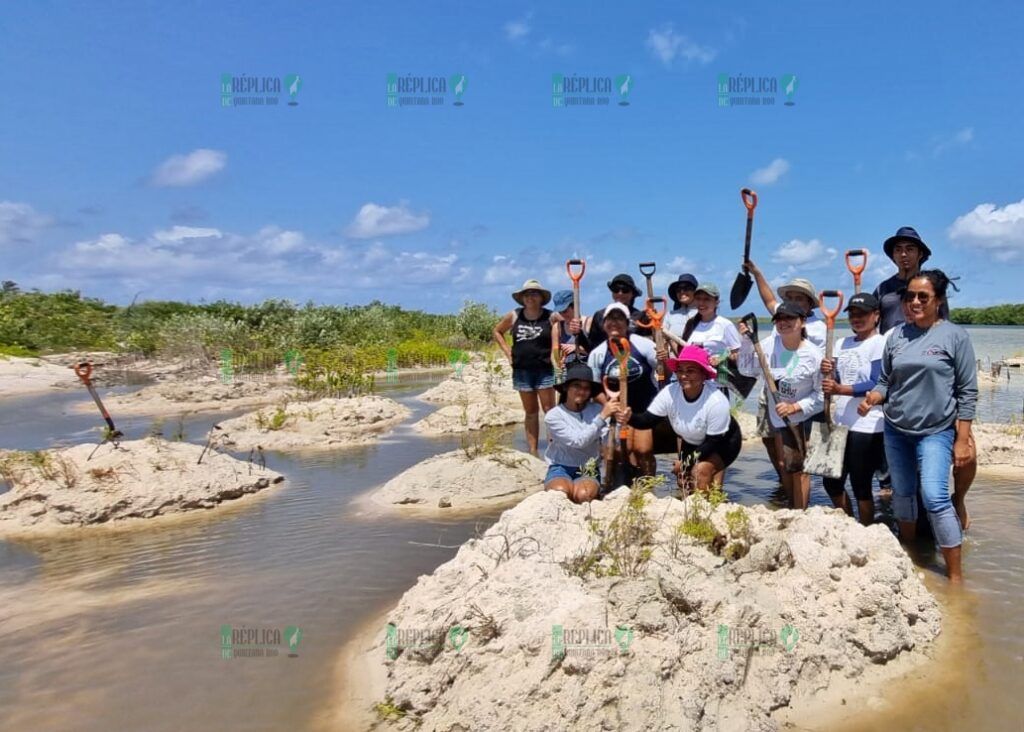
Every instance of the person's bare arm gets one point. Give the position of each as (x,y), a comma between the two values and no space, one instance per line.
(503,327)
(763,288)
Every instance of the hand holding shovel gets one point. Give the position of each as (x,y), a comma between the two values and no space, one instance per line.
(749,321)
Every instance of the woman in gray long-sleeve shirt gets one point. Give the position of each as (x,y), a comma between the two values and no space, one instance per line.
(929,386)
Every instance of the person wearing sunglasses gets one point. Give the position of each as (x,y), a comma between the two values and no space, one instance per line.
(929,390)
(625,292)
(681,293)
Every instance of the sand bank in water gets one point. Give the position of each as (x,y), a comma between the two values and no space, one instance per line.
(61,489)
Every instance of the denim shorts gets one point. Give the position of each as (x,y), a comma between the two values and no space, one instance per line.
(532,379)
(564,471)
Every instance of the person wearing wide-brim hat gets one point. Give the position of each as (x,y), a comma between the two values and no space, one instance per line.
(908,252)
(625,292)
(575,429)
(681,293)
(699,414)
(530,354)
(795,366)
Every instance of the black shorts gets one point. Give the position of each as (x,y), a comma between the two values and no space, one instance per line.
(865,453)
(727,452)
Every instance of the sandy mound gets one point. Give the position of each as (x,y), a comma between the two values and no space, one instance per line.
(480,396)
(202,394)
(327,423)
(471,479)
(607,616)
(999,444)
(468,417)
(55,489)
(29,375)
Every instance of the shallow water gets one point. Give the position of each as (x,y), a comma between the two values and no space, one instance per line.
(120,630)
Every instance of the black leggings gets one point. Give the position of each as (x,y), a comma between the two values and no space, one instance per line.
(865,453)
(728,449)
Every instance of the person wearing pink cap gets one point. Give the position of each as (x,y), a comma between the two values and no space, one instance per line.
(699,413)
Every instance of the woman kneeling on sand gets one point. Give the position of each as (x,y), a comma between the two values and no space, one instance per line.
(699,413)
(576,427)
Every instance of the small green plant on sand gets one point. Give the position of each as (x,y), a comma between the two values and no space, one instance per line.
(697,523)
(387,711)
(278,419)
(624,546)
(738,523)
(42,462)
(589,469)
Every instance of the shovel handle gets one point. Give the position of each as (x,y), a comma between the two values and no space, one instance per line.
(858,270)
(83,371)
(573,276)
(830,314)
(749,200)
(750,320)
(644,266)
(654,315)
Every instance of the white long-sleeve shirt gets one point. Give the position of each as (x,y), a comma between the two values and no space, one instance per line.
(797,375)
(575,436)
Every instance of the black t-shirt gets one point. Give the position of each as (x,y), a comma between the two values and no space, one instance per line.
(531,341)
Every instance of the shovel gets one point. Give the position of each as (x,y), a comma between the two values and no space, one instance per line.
(794,463)
(741,287)
(84,371)
(826,445)
(655,318)
(557,357)
(858,270)
(620,350)
(576,294)
(647,269)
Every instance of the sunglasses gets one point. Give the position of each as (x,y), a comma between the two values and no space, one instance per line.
(686,288)
(621,289)
(528,293)
(911,295)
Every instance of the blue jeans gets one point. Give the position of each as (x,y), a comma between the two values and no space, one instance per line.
(930,458)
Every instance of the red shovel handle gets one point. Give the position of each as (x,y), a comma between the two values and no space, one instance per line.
(576,263)
(830,315)
(749,200)
(83,371)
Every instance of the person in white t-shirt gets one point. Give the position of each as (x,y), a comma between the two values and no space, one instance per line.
(699,414)
(715,334)
(858,364)
(795,366)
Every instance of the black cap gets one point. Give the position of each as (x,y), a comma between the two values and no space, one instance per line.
(789,310)
(863,301)
(908,234)
(624,279)
(684,279)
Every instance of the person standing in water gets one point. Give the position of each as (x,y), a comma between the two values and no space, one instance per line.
(909,252)
(851,374)
(576,427)
(795,365)
(530,354)
(929,386)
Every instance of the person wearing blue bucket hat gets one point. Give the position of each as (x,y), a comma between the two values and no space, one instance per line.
(571,337)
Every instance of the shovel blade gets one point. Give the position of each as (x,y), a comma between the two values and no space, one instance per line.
(740,289)
(825,450)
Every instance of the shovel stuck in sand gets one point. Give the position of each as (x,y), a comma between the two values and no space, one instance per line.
(826,444)
(84,372)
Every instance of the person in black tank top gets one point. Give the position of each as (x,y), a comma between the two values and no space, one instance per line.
(530,354)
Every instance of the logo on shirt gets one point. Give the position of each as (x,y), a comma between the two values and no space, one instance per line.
(527,332)
(935,351)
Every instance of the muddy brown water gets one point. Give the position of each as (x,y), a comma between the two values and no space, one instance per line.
(121,630)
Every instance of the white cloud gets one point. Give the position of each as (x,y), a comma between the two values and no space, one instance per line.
(667,45)
(804,254)
(274,240)
(504,271)
(516,30)
(105,243)
(957,139)
(999,231)
(190,169)
(178,234)
(19,223)
(374,220)
(770,174)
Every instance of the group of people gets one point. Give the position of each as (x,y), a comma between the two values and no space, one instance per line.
(904,385)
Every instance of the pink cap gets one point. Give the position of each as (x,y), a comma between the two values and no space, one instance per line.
(693,354)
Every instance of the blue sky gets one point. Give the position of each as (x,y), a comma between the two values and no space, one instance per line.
(121,172)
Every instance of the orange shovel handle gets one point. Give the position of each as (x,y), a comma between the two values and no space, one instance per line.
(830,315)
